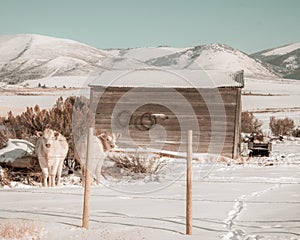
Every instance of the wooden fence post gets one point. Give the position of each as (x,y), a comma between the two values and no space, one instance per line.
(88,180)
(189,215)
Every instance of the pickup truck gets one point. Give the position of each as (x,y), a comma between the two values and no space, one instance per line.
(259,148)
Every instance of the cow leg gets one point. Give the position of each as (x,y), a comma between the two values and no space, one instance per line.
(59,171)
(52,174)
(45,180)
(98,172)
(45,175)
(52,180)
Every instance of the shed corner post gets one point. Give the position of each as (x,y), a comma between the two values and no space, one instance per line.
(237,124)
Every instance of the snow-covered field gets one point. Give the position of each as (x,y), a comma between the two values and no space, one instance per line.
(16,98)
(283,99)
(259,200)
(249,201)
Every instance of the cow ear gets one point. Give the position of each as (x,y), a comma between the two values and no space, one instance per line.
(39,134)
(102,135)
(98,132)
(56,134)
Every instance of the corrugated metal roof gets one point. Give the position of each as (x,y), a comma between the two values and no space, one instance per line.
(166,78)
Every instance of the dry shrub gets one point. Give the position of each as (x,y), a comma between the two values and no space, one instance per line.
(138,163)
(281,126)
(4,178)
(60,118)
(20,230)
(3,140)
(250,123)
(3,133)
(296,132)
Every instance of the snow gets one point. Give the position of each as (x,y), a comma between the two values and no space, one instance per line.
(15,149)
(36,46)
(291,62)
(232,202)
(18,97)
(27,56)
(283,100)
(144,54)
(213,57)
(257,200)
(233,61)
(251,201)
(18,104)
(164,77)
(283,50)
(1,173)
(59,81)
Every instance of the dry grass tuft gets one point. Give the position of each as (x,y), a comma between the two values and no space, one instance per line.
(21,230)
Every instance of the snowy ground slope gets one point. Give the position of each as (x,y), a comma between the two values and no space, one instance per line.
(232,202)
(272,98)
(218,57)
(31,56)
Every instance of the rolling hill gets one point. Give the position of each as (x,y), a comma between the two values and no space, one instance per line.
(28,56)
(285,59)
(214,57)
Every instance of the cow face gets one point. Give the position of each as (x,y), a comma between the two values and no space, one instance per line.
(48,136)
(108,140)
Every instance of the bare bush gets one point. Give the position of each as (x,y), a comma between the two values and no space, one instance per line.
(3,133)
(20,230)
(3,140)
(138,163)
(59,118)
(4,179)
(281,126)
(250,123)
(296,132)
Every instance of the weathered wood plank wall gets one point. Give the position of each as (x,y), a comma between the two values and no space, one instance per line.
(215,116)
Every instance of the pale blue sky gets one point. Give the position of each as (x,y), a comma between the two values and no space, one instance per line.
(248,25)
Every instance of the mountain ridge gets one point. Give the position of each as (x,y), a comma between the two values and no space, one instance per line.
(30,56)
(285,59)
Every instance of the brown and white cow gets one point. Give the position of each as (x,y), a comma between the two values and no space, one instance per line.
(102,144)
(51,149)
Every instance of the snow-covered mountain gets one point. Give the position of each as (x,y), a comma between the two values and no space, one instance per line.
(214,57)
(286,59)
(208,57)
(29,56)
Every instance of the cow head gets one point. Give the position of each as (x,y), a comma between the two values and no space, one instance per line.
(47,137)
(108,140)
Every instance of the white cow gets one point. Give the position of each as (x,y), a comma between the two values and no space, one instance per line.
(102,144)
(51,149)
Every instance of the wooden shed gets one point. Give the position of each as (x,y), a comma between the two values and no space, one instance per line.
(154,108)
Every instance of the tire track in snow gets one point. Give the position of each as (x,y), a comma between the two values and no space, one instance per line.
(233,231)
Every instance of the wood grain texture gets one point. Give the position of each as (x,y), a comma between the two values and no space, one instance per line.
(213,114)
